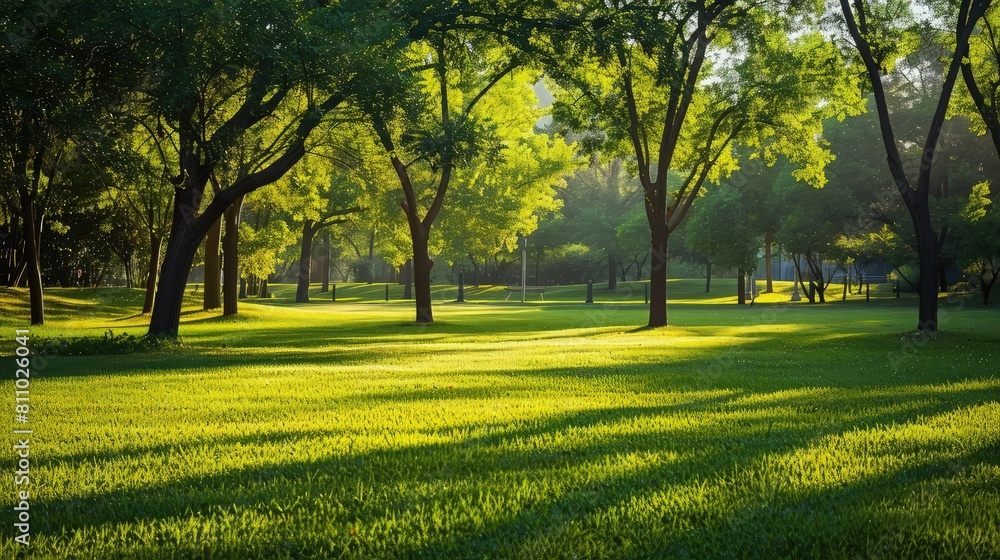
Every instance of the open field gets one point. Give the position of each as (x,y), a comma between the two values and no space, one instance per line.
(516,431)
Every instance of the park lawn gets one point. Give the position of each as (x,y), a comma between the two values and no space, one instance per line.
(510,431)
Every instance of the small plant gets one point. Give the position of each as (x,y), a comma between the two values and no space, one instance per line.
(111,343)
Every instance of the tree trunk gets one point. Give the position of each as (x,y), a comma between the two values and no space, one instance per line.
(538,257)
(263,294)
(927,251)
(186,234)
(213,267)
(768,241)
(33,268)
(173,279)
(155,245)
(371,258)
(475,271)
(408,280)
(612,272)
(741,287)
(305,262)
(232,287)
(422,276)
(942,275)
(810,294)
(127,263)
(325,272)
(658,274)
(708,277)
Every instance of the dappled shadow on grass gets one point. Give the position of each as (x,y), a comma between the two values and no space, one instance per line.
(702,476)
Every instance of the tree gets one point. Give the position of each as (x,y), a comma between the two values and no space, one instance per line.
(640,82)
(58,81)
(721,230)
(497,199)
(430,122)
(139,180)
(809,232)
(321,192)
(874,28)
(262,239)
(979,235)
(215,83)
(601,199)
(630,243)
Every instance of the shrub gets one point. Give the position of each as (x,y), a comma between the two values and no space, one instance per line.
(110,343)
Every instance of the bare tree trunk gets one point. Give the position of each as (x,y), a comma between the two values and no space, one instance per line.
(32,251)
(325,272)
(612,272)
(305,262)
(232,291)
(213,267)
(741,287)
(371,257)
(658,274)
(422,278)
(768,241)
(173,279)
(408,280)
(927,251)
(155,245)
(475,271)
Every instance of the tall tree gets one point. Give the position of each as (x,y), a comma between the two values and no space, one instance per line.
(721,229)
(432,124)
(875,31)
(677,84)
(57,83)
(220,72)
(322,192)
(498,198)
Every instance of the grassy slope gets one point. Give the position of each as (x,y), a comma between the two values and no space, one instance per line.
(518,431)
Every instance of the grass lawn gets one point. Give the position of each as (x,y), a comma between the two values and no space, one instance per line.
(555,430)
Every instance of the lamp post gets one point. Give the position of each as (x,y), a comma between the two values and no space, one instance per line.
(524,265)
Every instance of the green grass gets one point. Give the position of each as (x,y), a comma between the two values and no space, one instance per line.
(517,431)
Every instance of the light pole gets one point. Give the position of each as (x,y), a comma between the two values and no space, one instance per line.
(524,265)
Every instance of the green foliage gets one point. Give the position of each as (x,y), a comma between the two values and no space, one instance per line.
(260,246)
(979,239)
(881,245)
(722,230)
(495,199)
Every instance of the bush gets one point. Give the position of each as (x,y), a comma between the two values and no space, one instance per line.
(574,263)
(109,343)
